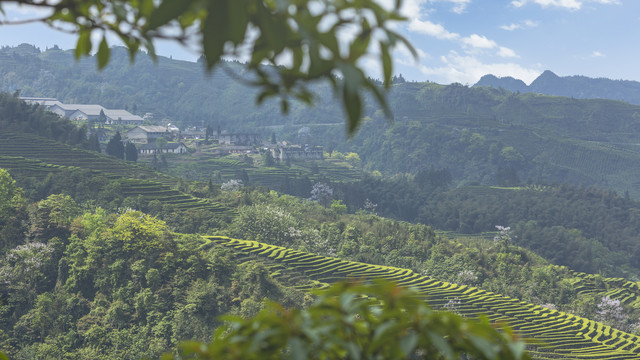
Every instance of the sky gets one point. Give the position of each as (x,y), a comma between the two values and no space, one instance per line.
(462,40)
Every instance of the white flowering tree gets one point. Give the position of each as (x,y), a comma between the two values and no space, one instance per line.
(232,185)
(23,269)
(504,237)
(322,193)
(612,312)
(266,223)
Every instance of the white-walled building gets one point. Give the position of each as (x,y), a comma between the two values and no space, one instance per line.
(122,117)
(147,134)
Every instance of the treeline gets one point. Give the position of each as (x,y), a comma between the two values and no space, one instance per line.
(587,229)
(15,114)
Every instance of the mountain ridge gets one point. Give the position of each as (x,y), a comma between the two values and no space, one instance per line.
(575,86)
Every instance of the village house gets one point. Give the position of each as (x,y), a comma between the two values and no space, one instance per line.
(236,149)
(122,117)
(45,102)
(85,112)
(241,139)
(147,134)
(297,152)
(193,133)
(77,111)
(152,148)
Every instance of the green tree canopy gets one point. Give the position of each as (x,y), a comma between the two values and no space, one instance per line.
(140,232)
(115,147)
(11,196)
(321,39)
(131,152)
(390,322)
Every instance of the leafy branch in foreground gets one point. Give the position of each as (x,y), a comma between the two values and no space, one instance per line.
(316,39)
(358,321)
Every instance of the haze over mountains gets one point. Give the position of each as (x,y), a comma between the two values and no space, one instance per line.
(576,86)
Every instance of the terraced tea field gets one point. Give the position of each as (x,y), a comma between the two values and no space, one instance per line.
(31,156)
(628,292)
(16,144)
(553,334)
(203,168)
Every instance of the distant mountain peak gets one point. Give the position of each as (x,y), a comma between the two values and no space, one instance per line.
(546,79)
(506,82)
(548,73)
(576,86)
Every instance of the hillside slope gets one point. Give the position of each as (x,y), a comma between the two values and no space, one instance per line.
(560,335)
(32,157)
(482,135)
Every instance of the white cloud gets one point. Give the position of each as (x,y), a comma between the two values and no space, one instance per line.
(479,41)
(459,6)
(566,4)
(402,56)
(469,69)
(473,44)
(411,9)
(432,29)
(22,12)
(597,54)
(511,27)
(506,53)
(607,2)
(521,25)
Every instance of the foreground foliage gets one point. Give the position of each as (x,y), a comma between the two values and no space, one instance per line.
(311,33)
(358,321)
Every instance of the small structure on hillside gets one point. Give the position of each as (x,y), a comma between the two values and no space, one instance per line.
(235,149)
(152,148)
(148,134)
(42,101)
(297,152)
(87,112)
(241,139)
(193,133)
(122,117)
(78,111)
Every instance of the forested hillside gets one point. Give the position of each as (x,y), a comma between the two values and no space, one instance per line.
(99,257)
(481,135)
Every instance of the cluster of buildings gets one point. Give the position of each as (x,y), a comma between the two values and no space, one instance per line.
(286,152)
(246,143)
(145,137)
(87,112)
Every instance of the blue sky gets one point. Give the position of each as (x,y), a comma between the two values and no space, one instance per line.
(461,40)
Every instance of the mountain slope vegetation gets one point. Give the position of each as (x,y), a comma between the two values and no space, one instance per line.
(99,257)
(90,276)
(482,135)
